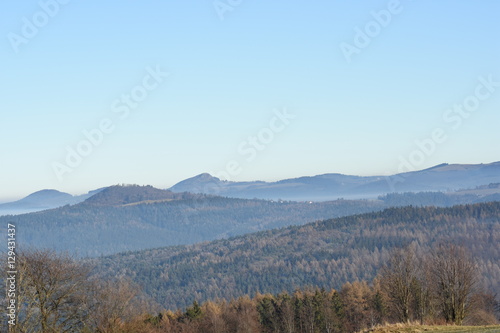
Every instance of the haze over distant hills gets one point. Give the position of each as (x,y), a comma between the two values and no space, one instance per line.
(42,200)
(443,177)
(123,218)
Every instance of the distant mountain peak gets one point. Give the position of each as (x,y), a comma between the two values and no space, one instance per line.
(46,193)
(202,183)
(119,195)
(331,186)
(45,197)
(40,200)
(205,177)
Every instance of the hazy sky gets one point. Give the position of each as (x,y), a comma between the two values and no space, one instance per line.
(255,89)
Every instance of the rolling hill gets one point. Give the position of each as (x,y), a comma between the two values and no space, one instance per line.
(42,200)
(444,177)
(321,254)
(126,218)
(441,178)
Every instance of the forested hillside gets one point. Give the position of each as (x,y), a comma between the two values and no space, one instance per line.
(118,223)
(323,254)
(125,218)
(59,294)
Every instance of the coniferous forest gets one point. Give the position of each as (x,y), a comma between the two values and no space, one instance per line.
(407,264)
(441,286)
(325,254)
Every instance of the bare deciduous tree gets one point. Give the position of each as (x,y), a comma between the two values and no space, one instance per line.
(213,320)
(53,291)
(113,304)
(455,276)
(399,280)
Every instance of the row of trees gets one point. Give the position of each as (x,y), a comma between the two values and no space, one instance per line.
(57,294)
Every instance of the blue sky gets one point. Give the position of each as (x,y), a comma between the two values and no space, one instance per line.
(232,66)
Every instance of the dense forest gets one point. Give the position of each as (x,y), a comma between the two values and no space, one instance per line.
(94,230)
(325,254)
(124,218)
(440,286)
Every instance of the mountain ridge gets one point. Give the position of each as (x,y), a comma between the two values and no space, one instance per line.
(331,186)
(326,187)
(123,218)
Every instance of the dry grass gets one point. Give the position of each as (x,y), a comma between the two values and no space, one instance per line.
(412,328)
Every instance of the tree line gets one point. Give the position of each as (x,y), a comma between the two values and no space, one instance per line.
(58,294)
